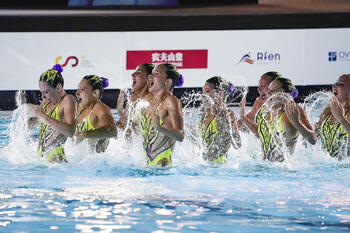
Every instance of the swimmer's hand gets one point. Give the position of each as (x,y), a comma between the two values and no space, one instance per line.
(337,109)
(35,109)
(292,111)
(79,136)
(120,102)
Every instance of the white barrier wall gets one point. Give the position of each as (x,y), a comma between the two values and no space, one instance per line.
(308,57)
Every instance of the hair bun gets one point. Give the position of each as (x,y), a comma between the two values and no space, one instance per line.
(231,87)
(181,81)
(295,93)
(105,82)
(58,68)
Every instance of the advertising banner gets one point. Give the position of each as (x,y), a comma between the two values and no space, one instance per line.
(306,56)
(182,59)
(25,56)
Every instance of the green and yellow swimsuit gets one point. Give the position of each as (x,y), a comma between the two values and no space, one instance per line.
(333,137)
(156,145)
(51,146)
(86,125)
(270,136)
(209,134)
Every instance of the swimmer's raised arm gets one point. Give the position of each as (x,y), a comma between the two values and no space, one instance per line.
(66,111)
(250,124)
(235,133)
(299,119)
(339,114)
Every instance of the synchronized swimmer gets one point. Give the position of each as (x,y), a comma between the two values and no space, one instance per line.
(275,118)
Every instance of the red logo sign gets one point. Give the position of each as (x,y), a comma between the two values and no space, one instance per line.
(182,59)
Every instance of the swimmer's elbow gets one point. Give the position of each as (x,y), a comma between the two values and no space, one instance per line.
(111,131)
(313,139)
(181,136)
(70,133)
(71,130)
(114,132)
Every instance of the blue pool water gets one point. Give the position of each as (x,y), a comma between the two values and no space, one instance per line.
(116,192)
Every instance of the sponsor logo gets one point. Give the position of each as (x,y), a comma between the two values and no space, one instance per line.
(182,59)
(332,56)
(246,58)
(260,58)
(341,55)
(73,61)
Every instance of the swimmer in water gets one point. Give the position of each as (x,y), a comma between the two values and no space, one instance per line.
(283,124)
(264,83)
(56,115)
(333,125)
(218,127)
(94,119)
(162,122)
(140,91)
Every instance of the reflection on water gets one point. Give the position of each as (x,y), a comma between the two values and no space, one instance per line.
(292,200)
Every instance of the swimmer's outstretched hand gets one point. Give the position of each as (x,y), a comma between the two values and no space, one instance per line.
(36,109)
(242,106)
(292,111)
(337,109)
(120,102)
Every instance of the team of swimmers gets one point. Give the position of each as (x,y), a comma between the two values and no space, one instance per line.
(275,118)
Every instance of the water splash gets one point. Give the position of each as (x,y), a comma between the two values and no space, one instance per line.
(20,148)
(315,103)
(127,153)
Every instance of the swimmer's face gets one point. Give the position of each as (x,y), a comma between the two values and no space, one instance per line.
(158,78)
(274,88)
(139,79)
(341,89)
(85,94)
(48,93)
(209,93)
(263,88)
(277,100)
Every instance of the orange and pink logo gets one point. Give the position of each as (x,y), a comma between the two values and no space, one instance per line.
(246,58)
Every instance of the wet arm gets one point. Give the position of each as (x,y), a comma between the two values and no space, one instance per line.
(249,123)
(251,114)
(175,129)
(33,122)
(123,118)
(105,126)
(299,120)
(235,134)
(67,125)
(339,113)
(321,119)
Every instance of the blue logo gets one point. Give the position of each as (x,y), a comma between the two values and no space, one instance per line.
(332,56)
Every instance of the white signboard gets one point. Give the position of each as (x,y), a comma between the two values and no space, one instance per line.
(307,57)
